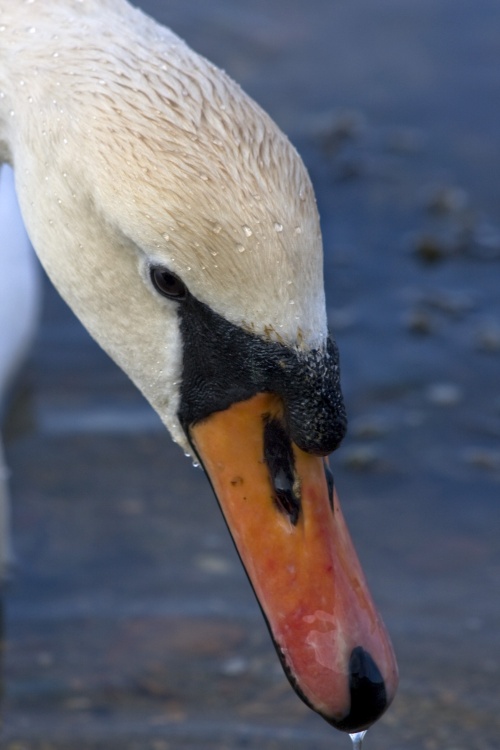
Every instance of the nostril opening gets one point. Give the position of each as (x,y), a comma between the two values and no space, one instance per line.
(278,455)
(367,690)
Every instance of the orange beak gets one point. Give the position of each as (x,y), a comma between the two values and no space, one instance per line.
(286,522)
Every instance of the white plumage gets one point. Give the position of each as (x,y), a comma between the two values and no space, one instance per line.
(19,304)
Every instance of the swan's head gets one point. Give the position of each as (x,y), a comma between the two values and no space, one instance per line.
(181,226)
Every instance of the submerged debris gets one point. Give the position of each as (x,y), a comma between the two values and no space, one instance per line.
(370,427)
(334,129)
(420,321)
(487,459)
(363,457)
(406,141)
(430,248)
(488,337)
(446,200)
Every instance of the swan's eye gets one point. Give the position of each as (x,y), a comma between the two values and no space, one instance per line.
(167,284)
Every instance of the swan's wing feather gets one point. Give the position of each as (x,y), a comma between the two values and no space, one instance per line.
(19,283)
(19,305)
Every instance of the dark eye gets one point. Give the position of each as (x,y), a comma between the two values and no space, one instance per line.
(168,284)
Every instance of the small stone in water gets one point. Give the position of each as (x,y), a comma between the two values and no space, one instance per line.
(431,249)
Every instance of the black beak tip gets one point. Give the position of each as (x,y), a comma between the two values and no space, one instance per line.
(368,693)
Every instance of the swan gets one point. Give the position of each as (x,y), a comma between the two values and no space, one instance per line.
(180,225)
